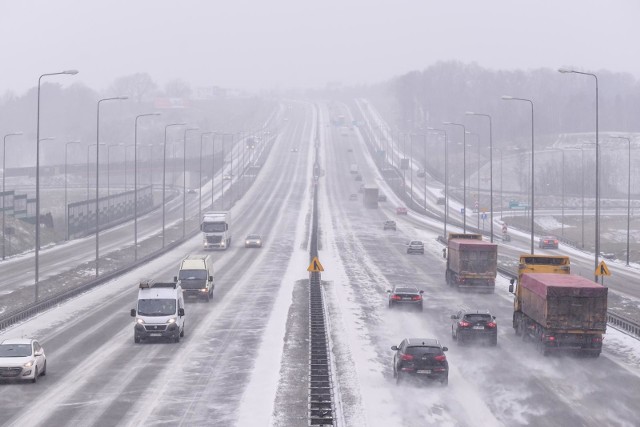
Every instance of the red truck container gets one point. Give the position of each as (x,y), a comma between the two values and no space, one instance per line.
(561,312)
(471,262)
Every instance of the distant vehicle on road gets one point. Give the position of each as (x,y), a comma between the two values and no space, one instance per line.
(440,201)
(191,191)
(358,177)
(226,177)
(548,242)
(420,358)
(474,325)
(294,150)
(353,197)
(405,296)
(22,359)
(253,241)
(415,247)
(160,311)
(401,210)
(382,197)
(420,174)
(389,225)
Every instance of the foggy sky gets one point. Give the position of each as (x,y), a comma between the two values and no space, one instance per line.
(267,44)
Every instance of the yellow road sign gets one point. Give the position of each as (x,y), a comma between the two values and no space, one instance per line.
(602,269)
(315,266)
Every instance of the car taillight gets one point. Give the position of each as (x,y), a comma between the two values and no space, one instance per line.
(491,325)
(440,358)
(416,298)
(464,324)
(406,357)
(596,339)
(548,337)
(396,297)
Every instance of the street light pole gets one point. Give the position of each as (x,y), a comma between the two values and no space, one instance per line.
(213,166)
(597,232)
(202,135)
(66,208)
(464,174)
(4,168)
(446,179)
(135,180)
(37,252)
(109,177)
(115,98)
(184,180)
(511,98)
(478,188)
(628,191)
(164,177)
(471,113)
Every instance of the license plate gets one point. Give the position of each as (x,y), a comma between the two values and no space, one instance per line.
(481,328)
(406,298)
(423,371)
(155,334)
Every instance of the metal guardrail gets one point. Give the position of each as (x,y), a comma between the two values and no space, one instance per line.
(320,401)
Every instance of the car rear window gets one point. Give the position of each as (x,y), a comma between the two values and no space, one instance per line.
(477,317)
(416,242)
(420,350)
(406,291)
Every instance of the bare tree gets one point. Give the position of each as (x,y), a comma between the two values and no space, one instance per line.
(136,86)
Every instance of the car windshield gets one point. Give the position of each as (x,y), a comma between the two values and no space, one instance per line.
(253,237)
(156,307)
(477,317)
(406,290)
(15,350)
(192,275)
(213,227)
(416,242)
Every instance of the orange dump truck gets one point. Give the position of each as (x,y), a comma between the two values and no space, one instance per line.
(471,262)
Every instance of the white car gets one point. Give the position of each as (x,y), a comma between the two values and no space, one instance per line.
(23,359)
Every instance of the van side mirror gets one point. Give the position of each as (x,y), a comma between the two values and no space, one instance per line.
(211,278)
(175,279)
(512,281)
(454,317)
(133,312)
(394,347)
(388,291)
(445,348)
(421,292)
(181,312)
(511,288)
(494,317)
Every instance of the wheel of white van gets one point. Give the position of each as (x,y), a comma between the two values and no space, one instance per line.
(182,331)
(136,339)
(44,369)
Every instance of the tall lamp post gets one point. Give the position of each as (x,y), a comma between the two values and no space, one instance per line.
(213,165)
(446,178)
(597,232)
(115,98)
(69,72)
(202,135)
(184,180)
(109,147)
(478,188)
(471,113)
(4,168)
(628,191)
(464,174)
(164,177)
(511,98)
(66,208)
(135,179)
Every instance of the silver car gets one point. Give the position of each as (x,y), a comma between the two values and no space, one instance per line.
(22,359)
(253,241)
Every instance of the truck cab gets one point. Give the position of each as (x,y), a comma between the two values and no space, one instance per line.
(216,229)
(159,311)
(196,277)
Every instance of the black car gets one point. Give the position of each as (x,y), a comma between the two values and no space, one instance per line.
(548,242)
(474,325)
(389,225)
(420,357)
(405,296)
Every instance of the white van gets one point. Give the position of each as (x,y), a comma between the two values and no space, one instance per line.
(160,311)
(196,277)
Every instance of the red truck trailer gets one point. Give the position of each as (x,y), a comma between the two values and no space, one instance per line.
(471,262)
(561,312)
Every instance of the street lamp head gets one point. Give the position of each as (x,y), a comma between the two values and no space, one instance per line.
(565,70)
(469,113)
(49,138)
(70,72)
(447,123)
(507,97)
(122,98)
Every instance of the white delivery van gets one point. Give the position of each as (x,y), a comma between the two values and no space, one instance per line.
(160,311)
(196,277)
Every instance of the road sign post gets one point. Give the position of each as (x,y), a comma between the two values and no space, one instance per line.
(602,271)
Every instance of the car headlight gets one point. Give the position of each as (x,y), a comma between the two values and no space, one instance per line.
(171,320)
(139,321)
(29,364)
(204,290)
(247,242)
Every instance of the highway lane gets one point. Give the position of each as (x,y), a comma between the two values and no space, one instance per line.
(98,376)
(18,271)
(508,385)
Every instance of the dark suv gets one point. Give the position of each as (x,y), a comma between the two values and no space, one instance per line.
(422,358)
(473,325)
(389,225)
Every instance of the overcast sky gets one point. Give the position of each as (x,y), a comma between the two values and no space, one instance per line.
(266,44)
